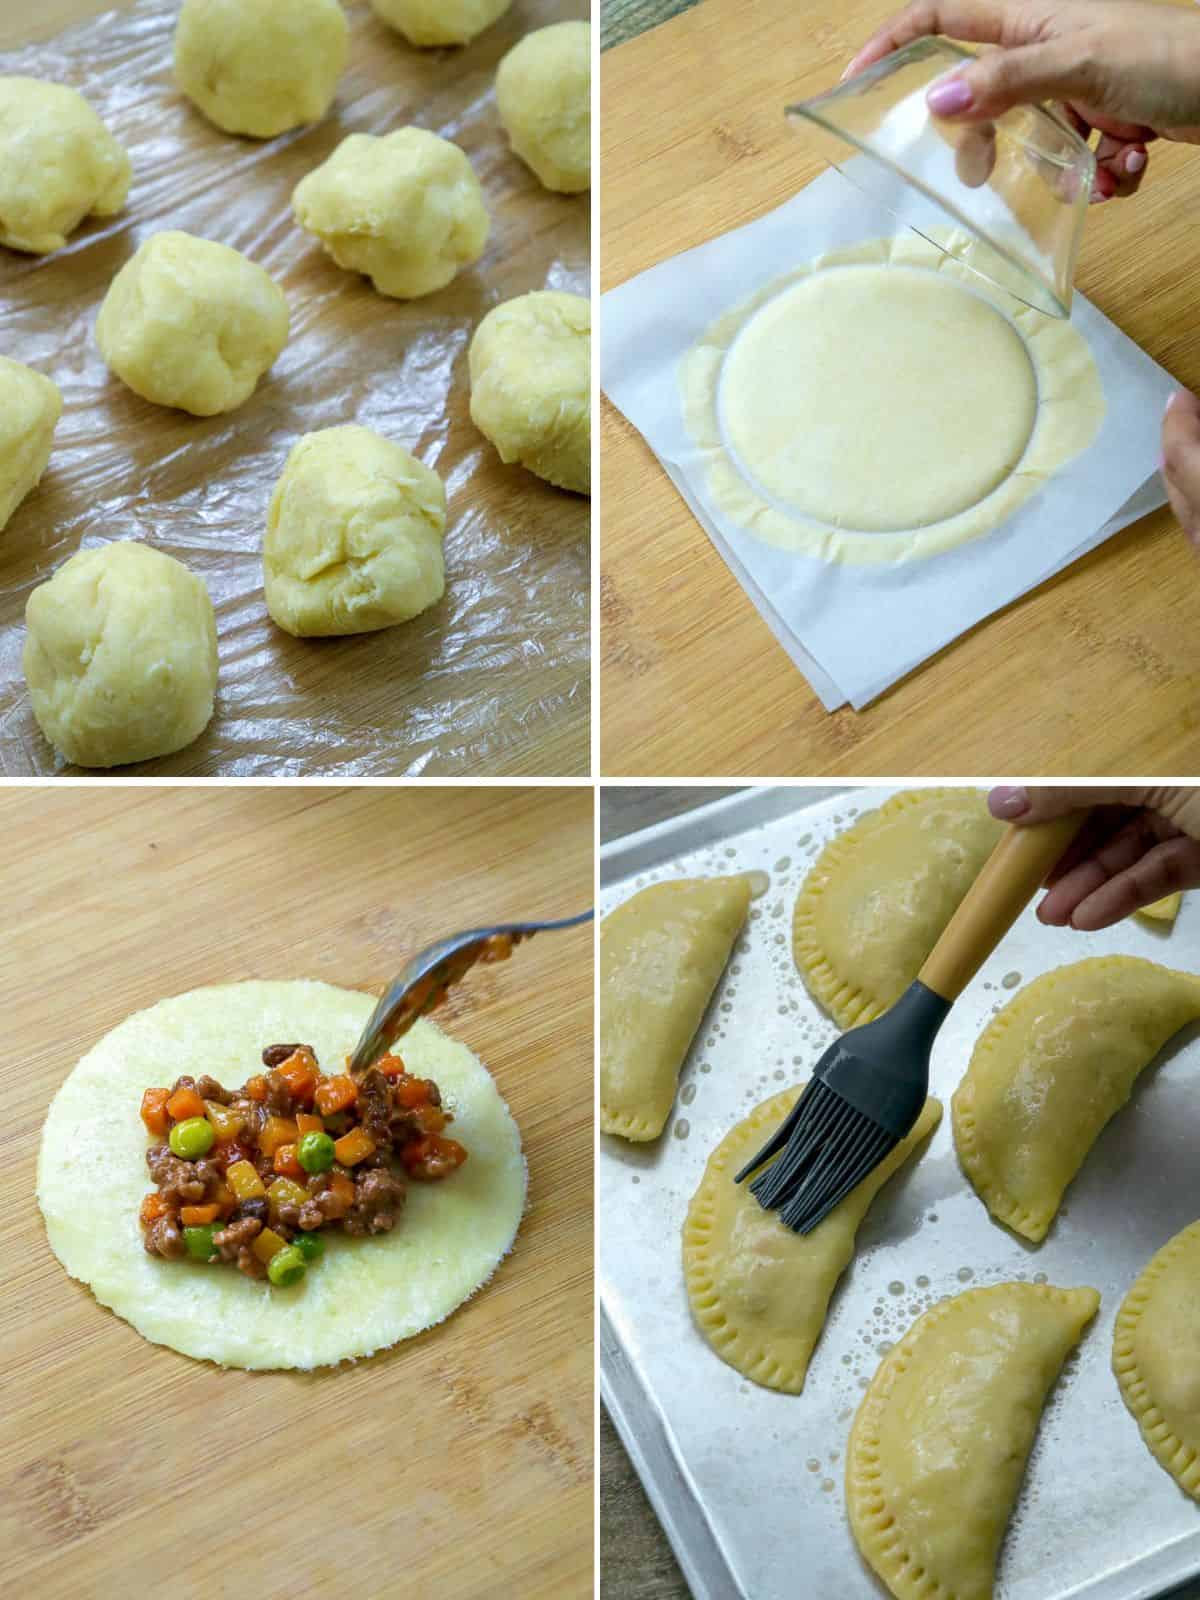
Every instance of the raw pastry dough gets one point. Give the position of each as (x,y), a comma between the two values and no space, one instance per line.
(531,385)
(879,895)
(662,954)
(758,1291)
(429,22)
(1164,910)
(354,535)
(780,393)
(1051,1069)
(939,1446)
(261,67)
(121,655)
(1156,1357)
(192,324)
(364,1294)
(406,210)
(544,95)
(58,165)
(30,406)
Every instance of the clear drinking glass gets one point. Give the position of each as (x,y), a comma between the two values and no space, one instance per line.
(1019,186)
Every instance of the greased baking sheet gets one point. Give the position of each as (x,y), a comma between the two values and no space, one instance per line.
(748,1483)
(492,680)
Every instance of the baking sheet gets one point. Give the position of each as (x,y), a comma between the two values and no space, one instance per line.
(854,630)
(748,1483)
(492,680)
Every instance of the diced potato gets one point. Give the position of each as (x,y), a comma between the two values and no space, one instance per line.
(285,1192)
(276,1131)
(227,1123)
(266,1244)
(245,1181)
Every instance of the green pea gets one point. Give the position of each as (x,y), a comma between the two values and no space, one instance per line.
(199,1241)
(192,1138)
(315,1152)
(286,1267)
(310,1245)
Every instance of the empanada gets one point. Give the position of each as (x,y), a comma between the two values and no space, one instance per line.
(1051,1069)
(879,895)
(1156,1356)
(758,1291)
(662,954)
(939,1446)
(1164,910)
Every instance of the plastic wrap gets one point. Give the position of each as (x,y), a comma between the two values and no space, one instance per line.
(492,680)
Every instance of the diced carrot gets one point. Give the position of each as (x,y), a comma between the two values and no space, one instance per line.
(410,1092)
(335,1094)
(154,1110)
(267,1243)
(185,1103)
(432,1158)
(276,1131)
(354,1147)
(341,1188)
(194,1216)
(391,1066)
(227,1123)
(433,1119)
(498,948)
(306,1122)
(245,1181)
(256,1089)
(299,1072)
(153,1207)
(286,1163)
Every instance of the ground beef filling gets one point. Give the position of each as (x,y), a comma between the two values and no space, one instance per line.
(243,1174)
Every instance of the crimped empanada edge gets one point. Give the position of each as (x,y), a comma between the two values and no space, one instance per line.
(639,1129)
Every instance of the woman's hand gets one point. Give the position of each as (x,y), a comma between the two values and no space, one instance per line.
(1181,461)
(1138,845)
(1128,68)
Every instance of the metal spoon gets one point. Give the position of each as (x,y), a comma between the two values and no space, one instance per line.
(424,980)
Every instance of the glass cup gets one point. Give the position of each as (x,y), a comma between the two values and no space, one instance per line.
(1018,186)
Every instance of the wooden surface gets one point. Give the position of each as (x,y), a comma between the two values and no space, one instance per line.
(495,678)
(460,1463)
(624,19)
(1097,673)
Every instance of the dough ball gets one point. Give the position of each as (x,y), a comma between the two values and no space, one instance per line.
(354,535)
(544,92)
(121,655)
(531,385)
(30,406)
(261,66)
(192,324)
(426,22)
(58,165)
(406,210)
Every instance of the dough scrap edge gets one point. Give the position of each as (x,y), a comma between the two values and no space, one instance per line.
(1001,1204)
(844,1000)
(1179,1460)
(872,1526)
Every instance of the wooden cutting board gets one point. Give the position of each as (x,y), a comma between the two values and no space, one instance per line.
(457,1464)
(1096,673)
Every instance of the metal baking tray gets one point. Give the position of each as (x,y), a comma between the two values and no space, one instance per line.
(748,1483)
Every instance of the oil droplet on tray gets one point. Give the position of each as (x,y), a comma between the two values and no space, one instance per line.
(682,1128)
(895,1287)
(964,1274)
(783,864)
(922,1282)
(827,1485)
(813,1464)
(687,1094)
(1010,980)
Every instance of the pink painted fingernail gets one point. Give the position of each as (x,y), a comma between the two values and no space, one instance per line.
(1134,162)
(1097,197)
(1008,803)
(950,97)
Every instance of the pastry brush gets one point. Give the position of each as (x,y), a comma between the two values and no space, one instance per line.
(868,1088)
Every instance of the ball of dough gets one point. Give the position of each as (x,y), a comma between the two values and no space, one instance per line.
(261,66)
(544,92)
(531,385)
(406,210)
(58,165)
(30,406)
(191,324)
(426,22)
(121,655)
(354,535)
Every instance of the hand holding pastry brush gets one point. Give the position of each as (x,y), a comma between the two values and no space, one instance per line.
(869,1086)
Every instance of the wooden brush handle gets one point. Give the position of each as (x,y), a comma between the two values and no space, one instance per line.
(1010,878)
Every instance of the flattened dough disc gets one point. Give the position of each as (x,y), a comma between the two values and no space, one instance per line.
(364,1294)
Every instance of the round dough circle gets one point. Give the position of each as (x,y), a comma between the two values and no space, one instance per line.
(354,535)
(531,379)
(365,1294)
(261,67)
(878,398)
(121,655)
(58,165)
(191,324)
(30,406)
(406,210)
(544,96)
(434,22)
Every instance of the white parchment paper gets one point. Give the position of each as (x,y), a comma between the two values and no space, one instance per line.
(855,630)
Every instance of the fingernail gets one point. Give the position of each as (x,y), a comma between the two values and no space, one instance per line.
(1171,399)
(1009,803)
(950,97)
(1134,162)
(1097,198)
